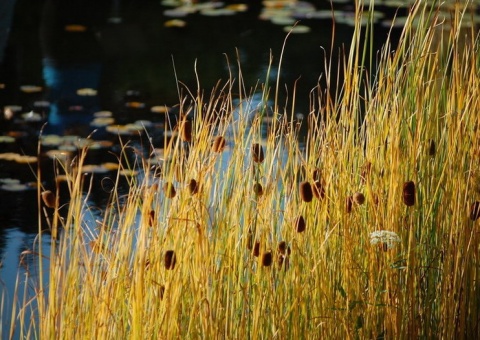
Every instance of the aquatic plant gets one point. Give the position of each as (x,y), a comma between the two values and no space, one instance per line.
(222,262)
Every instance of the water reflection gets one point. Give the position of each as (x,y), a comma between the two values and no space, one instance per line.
(72,62)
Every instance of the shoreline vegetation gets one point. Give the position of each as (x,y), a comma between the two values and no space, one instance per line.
(367,229)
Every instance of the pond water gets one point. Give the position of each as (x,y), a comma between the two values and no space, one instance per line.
(126,59)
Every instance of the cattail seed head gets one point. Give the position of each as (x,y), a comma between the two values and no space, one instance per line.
(409,193)
(348,204)
(218,144)
(475,211)
(300,224)
(49,199)
(283,248)
(257,153)
(151,218)
(318,190)
(267,259)
(306,192)
(359,198)
(258,189)
(432,148)
(193,186)
(169,190)
(317,174)
(256,249)
(186,131)
(170,259)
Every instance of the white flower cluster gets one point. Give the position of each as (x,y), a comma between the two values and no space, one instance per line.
(388,239)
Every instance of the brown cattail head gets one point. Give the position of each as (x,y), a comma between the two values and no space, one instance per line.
(306,192)
(358,198)
(193,186)
(49,198)
(409,193)
(218,144)
(256,249)
(258,189)
(300,224)
(348,204)
(475,211)
(432,148)
(257,153)
(170,259)
(267,259)
(317,174)
(186,131)
(283,248)
(318,190)
(151,218)
(169,190)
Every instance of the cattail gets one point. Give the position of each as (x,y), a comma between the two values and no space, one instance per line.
(317,174)
(186,131)
(151,218)
(300,224)
(267,259)
(358,198)
(475,211)
(257,153)
(432,148)
(348,204)
(170,259)
(193,186)
(306,192)
(218,144)
(48,198)
(258,189)
(318,190)
(409,193)
(169,190)
(161,291)
(283,248)
(256,249)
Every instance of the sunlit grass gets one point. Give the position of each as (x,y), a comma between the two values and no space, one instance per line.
(365,230)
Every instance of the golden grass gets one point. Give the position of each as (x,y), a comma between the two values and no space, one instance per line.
(219,260)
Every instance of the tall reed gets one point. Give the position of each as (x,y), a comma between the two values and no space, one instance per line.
(222,261)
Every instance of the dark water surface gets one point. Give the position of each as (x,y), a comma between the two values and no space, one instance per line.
(131,60)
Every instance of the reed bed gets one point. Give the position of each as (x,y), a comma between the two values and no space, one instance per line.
(367,229)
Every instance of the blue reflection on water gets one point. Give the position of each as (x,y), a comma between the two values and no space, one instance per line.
(68,108)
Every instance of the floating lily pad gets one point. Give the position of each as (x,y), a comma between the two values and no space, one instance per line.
(101,122)
(103,114)
(31,88)
(159,109)
(281,20)
(9,181)
(87,92)
(75,28)
(175,23)
(217,12)
(7,139)
(297,29)
(237,7)
(32,117)
(15,187)
(135,105)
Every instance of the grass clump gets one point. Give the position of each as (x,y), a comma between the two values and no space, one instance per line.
(227,262)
